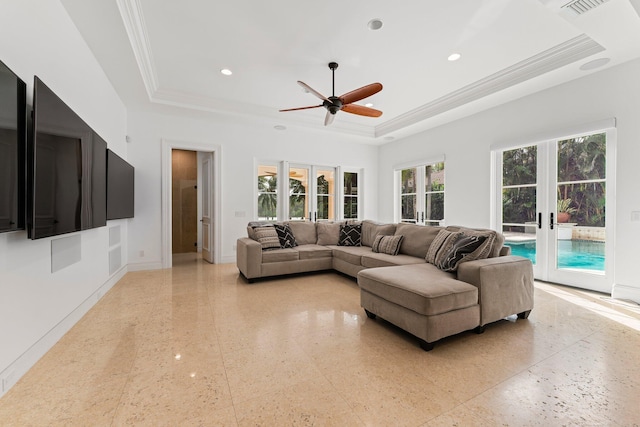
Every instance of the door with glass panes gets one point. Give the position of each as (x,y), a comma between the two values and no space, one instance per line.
(312,193)
(556,207)
(422,194)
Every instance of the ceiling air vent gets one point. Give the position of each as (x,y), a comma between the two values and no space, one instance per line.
(578,7)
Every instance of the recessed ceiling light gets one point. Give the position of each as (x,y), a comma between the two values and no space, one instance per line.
(596,63)
(375,24)
(280,127)
(368,104)
(226,71)
(454,57)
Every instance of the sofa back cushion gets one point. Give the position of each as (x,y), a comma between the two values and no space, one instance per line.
(417,238)
(492,245)
(304,232)
(372,229)
(328,233)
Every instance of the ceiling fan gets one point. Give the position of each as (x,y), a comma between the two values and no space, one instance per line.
(345,102)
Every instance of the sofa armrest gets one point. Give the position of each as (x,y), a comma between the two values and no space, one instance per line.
(505,285)
(249,257)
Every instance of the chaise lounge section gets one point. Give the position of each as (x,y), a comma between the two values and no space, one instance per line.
(432,282)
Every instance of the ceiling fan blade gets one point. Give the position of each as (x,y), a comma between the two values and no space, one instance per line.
(328,119)
(301,108)
(312,91)
(361,110)
(362,93)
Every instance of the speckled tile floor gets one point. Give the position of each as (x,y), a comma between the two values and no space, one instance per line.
(196,345)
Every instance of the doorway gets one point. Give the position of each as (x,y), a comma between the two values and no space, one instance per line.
(556,207)
(179,210)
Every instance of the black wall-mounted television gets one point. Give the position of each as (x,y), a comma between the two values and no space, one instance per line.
(66,169)
(120,187)
(13,136)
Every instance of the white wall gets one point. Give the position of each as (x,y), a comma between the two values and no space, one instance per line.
(241,144)
(37,306)
(612,93)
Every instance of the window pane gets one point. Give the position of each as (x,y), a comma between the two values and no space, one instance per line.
(434,206)
(298,182)
(582,158)
(350,207)
(519,205)
(519,166)
(434,177)
(267,192)
(582,203)
(409,208)
(325,185)
(408,181)
(350,184)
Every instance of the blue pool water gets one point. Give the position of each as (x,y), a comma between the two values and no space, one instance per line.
(579,254)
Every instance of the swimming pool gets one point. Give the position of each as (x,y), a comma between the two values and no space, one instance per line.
(578,254)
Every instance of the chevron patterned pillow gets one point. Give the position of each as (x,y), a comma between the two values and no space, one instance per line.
(350,235)
(285,235)
(462,247)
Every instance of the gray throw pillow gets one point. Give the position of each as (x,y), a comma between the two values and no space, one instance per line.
(267,236)
(462,247)
(387,244)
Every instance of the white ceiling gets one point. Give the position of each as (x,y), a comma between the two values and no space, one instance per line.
(170,52)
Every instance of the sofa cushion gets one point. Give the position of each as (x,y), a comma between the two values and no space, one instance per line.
(280,255)
(491,247)
(286,236)
(389,245)
(372,229)
(373,260)
(441,245)
(350,254)
(350,235)
(434,293)
(304,232)
(313,251)
(461,250)
(417,238)
(267,237)
(328,233)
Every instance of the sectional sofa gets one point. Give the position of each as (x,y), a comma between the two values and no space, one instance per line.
(430,281)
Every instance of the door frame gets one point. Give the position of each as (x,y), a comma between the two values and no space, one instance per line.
(542,268)
(166,214)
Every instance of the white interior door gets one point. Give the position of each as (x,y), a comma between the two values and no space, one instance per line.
(207,207)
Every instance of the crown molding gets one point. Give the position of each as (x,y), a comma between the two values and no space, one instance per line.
(572,50)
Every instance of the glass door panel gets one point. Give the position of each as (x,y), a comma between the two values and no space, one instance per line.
(298,193)
(325,194)
(519,201)
(350,192)
(408,196)
(434,194)
(580,236)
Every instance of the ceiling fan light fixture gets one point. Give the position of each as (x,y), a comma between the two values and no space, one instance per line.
(454,57)
(375,24)
(226,72)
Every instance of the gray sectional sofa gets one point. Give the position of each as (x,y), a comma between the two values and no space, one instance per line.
(410,289)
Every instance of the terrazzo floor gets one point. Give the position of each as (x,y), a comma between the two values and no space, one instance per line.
(197,345)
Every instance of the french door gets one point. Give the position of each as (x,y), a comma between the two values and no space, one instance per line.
(556,207)
(312,193)
(421,194)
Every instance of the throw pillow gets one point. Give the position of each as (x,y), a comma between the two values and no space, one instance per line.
(350,235)
(328,233)
(268,237)
(285,236)
(441,245)
(387,244)
(462,247)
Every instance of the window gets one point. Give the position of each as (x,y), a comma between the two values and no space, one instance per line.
(298,190)
(421,194)
(350,195)
(267,192)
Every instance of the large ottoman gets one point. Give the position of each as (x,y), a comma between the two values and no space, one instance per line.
(421,299)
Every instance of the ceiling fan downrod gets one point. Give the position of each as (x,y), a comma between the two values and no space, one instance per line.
(335,104)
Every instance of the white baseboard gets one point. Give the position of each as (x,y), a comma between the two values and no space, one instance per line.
(141,266)
(228,259)
(626,292)
(22,364)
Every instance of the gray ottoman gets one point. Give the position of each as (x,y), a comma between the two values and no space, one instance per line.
(424,301)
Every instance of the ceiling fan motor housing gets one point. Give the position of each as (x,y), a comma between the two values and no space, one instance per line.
(333,105)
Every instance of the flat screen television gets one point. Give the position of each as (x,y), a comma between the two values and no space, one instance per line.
(13,136)
(67,170)
(120,187)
